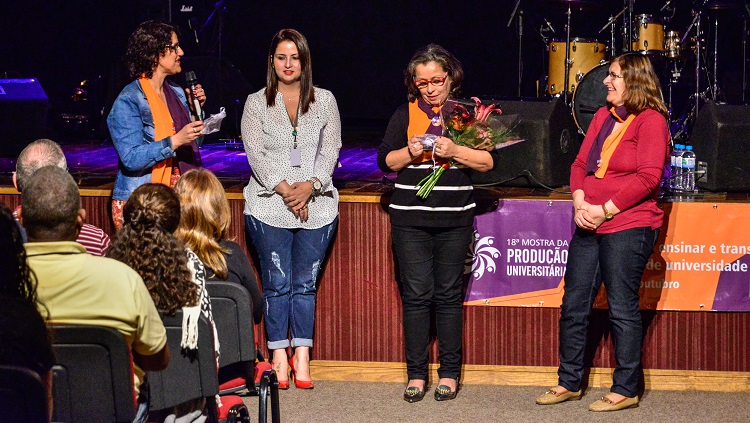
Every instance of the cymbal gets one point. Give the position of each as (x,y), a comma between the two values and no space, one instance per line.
(574,4)
(724,5)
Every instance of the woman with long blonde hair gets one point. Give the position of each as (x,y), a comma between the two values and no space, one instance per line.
(204,228)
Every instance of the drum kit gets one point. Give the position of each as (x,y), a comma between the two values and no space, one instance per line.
(577,66)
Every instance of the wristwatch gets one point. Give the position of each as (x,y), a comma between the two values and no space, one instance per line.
(316,184)
(607,214)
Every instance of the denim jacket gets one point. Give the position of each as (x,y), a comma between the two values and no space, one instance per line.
(131,127)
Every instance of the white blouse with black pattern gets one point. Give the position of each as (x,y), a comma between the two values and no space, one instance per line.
(267,136)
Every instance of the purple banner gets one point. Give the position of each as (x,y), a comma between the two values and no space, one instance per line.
(519,248)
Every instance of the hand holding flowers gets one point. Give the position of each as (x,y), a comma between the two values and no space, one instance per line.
(479,129)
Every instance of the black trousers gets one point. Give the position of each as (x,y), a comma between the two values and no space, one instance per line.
(431,263)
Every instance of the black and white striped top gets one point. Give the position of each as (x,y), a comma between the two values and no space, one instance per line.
(451,202)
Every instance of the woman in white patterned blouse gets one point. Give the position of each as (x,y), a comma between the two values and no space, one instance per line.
(292,136)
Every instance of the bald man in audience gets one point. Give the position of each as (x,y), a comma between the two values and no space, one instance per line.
(78,288)
(45,152)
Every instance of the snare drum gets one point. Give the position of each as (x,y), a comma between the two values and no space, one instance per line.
(585,54)
(672,45)
(650,35)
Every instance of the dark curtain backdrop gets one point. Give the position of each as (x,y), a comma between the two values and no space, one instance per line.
(359,48)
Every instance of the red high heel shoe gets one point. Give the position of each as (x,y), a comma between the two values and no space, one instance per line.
(283,384)
(301,384)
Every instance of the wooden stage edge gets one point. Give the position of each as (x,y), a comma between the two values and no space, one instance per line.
(545,376)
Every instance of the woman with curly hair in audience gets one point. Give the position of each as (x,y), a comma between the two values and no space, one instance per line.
(204,228)
(24,341)
(173,274)
(16,279)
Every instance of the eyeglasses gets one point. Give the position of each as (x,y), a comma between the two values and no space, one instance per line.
(173,47)
(436,81)
(614,75)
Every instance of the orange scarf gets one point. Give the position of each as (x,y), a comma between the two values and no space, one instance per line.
(611,143)
(163,128)
(418,124)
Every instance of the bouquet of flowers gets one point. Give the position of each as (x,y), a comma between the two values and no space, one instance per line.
(478,129)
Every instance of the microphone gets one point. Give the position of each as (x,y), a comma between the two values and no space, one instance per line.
(549,25)
(195,105)
(666,5)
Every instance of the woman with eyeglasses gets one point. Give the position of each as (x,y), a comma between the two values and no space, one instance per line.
(292,135)
(615,181)
(431,237)
(150,122)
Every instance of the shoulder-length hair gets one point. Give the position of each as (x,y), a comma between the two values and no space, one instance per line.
(439,55)
(145,45)
(205,218)
(307,92)
(16,278)
(147,244)
(642,87)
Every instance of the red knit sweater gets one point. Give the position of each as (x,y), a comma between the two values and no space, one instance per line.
(634,172)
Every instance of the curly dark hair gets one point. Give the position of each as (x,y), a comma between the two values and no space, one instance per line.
(149,41)
(433,53)
(147,244)
(16,278)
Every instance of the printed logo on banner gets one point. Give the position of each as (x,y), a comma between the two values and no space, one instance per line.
(481,256)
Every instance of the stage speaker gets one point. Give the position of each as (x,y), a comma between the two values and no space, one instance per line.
(551,145)
(721,138)
(23,114)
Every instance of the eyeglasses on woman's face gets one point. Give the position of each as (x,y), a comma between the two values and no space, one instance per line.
(173,47)
(614,75)
(437,81)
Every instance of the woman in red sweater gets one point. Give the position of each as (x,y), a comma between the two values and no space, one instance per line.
(614,180)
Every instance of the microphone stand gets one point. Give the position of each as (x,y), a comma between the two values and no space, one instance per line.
(520,41)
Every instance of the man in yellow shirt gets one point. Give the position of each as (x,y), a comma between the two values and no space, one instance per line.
(78,288)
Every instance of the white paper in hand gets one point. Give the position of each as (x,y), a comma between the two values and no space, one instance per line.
(213,123)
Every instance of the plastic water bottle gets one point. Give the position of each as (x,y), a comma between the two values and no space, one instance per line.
(676,166)
(688,169)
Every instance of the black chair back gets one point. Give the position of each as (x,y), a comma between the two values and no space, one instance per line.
(23,396)
(190,374)
(233,316)
(93,375)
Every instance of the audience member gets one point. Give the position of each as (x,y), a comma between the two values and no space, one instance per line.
(24,340)
(173,274)
(44,152)
(16,280)
(204,228)
(78,288)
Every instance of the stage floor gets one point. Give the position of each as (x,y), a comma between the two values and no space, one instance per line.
(94,163)
(94,166)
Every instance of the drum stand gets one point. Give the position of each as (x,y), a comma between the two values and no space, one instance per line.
(568,62)
(612,31)
(520,41)
(627,27)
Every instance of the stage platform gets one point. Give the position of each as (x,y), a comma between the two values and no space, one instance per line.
(358,327)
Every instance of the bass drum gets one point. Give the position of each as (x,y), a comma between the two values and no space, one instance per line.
(590,96)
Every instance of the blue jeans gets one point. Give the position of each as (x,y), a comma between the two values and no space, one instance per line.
(290,263)
(431,265)
(619,259)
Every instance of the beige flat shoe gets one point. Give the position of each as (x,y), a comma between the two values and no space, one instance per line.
(606,404)
(553,397)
